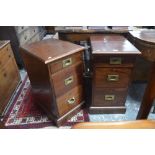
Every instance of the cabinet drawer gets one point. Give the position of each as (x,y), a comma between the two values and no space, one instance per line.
(5,55)
(109,97)
(26,35)
(65,62)
(20,29)
(69,100)
(9,78)
(67,79)
(112,77)
(114,60)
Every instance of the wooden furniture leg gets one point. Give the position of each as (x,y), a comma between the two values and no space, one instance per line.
(149,96)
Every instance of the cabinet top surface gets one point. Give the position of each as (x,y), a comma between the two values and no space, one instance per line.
(3,43)
(51,49)
(144,35)
(112,44)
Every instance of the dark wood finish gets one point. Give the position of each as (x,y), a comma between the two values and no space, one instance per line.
(57,65)
(112,44)
(149,96)
(113,58)
(145,42)
(141,65)
(138,124)
(59,101)
(76,93)
(107,110)
(102,60)
(50,29)
(79,35)
(55,49)
(120,95)
(74,73)
(101,77)
(9,75)
(2,125)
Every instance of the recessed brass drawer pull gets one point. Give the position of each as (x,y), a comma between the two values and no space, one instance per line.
(115,60)
(113,77)
(69,80)
(109,97)
(71,100)
(67,62)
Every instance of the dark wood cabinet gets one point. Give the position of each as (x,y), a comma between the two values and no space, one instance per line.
(55,69)
(9,75)
(144,40)
(113,59)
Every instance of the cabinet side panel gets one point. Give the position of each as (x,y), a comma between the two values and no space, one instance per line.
(41,88)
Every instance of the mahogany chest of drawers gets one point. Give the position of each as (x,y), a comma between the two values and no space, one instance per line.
(113,59)
(9,75)
(55,70)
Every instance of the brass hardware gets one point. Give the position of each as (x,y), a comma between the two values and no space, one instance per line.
(115,60)
(69,80)
(71,100)
(67,62)
(109,97)
(113,77)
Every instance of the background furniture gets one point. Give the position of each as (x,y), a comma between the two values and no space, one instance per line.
(113,58)
(142,66)
(144,40)
(138,124)
(19,35)
(76,35)
(55,71)
(9,75)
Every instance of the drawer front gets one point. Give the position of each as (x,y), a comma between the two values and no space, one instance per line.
(109,97)
(9,78)
(114,61)
(5,55)
(20,29)
(26,36)
(112,77)
(70,100)
(65,62)
(67,79)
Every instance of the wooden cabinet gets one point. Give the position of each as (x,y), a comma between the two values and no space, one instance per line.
(113,59)
(19,35)
(144,40)
(9,75)
(55,69)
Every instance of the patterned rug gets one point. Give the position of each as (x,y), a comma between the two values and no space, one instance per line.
(24,114)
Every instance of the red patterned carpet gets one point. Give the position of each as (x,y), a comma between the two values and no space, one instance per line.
(23,113)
